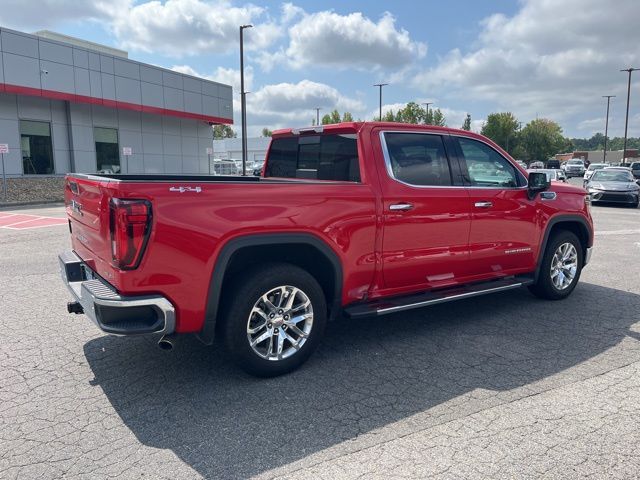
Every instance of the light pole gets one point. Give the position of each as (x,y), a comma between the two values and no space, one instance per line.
(626,118)
(380,85)
(317,116)
(427,104)
(606,128)
(243,101)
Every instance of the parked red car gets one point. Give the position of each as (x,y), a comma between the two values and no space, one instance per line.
(348,220)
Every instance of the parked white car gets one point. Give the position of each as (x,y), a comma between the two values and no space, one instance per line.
(551,173)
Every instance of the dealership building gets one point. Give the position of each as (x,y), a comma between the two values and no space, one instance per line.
(67,105)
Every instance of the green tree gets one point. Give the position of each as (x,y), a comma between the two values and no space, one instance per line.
(347,117)
(266,132)
(411,113)
(388,116)
(436,117)
(567,145)
(502,128)
(541,139)
(333,117)
(223,131)
(467,123)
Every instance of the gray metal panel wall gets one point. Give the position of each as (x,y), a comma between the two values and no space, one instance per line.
(25,58)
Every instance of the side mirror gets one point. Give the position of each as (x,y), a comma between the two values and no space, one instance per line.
(538,182)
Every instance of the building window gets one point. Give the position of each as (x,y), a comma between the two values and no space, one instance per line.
(107,152)
(37,151)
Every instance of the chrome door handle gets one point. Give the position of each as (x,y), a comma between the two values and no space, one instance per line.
(484,204)
(401,207)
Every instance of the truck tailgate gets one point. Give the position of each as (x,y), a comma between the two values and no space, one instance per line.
(87,205)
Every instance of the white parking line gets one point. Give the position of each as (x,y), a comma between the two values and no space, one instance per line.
(605,211)
(11,227)
(617,232)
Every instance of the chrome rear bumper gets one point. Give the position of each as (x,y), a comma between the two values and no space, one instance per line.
(110,311)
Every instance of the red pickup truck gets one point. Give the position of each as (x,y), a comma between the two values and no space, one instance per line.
(347,220)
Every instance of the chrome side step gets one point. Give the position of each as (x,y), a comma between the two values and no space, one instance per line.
(408,302)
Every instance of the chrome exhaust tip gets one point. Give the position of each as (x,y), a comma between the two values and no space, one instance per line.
(166,343)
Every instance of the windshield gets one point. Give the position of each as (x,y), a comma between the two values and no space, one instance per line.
(575,162)
(612,176)
(596,166)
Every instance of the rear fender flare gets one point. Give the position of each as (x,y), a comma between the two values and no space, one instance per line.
(207,333)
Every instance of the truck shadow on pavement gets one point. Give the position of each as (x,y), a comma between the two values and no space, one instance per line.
(432,365)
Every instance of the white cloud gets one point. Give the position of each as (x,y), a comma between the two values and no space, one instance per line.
(21,14)
(181,28)
(279,105)
(386,107)
(554,59)
(293,104)
(290,12)
(346,41)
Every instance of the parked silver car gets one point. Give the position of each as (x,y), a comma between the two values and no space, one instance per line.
(591,170)
(574,168)
(614,184)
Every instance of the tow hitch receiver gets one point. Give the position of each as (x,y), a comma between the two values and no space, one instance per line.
(75,307)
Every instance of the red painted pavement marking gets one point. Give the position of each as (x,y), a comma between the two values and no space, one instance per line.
(37,222)
(8,220)
(25,221)
(5,214)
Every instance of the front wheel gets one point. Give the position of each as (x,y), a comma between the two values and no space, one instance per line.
(561,267)
(274,320)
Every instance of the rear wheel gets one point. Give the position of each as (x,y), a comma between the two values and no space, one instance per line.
(561,267)
(275,319)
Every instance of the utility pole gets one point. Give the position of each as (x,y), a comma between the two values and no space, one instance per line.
(243,101)
(317,116)
(626,118)
(606,128)
(380,85)
(427,104)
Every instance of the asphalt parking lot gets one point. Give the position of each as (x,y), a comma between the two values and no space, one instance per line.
(502,386)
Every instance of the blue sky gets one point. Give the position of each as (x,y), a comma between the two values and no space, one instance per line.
(536,58)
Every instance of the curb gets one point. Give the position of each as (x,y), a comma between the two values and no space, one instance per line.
(45,203)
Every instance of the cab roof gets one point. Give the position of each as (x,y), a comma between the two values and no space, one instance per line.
(355,127)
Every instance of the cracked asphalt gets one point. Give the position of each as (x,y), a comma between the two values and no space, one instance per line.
(502,386)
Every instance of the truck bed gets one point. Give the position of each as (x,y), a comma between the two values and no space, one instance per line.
(102,177)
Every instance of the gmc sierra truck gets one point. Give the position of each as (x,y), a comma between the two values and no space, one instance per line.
(346,221)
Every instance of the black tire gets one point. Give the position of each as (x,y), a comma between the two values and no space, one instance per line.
(246,290)
(544,286)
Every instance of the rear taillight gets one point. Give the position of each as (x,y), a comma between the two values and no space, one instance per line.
(129,226)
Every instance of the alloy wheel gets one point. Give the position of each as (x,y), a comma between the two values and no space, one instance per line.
(280,323)
(564,266)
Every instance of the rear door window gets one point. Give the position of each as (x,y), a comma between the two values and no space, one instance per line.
(417,159)
(321,157)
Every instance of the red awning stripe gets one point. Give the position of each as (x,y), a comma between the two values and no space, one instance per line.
(52,94)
